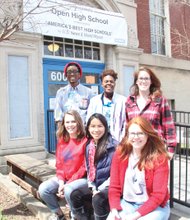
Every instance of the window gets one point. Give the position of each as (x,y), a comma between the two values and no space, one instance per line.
(56,46)
(19,104)
(157,26)
(171,103)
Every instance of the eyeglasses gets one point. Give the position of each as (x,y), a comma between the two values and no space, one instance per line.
(137,134)
(69,72)
(144,79)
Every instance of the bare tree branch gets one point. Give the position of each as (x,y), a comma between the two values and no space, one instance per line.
(12,14)
(184,2)
(11,17)
(180,37)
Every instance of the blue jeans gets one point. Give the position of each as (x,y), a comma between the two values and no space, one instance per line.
(158,214)
(49,188)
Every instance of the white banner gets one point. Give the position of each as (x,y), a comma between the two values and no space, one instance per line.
(67,20)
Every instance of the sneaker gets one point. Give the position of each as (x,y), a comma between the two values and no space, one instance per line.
(54,216)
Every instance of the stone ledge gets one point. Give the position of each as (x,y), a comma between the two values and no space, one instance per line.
(180,212)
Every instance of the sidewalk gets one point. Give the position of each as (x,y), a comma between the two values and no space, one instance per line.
(180,212)
(42,212)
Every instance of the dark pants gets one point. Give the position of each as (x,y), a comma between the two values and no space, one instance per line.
(84,204)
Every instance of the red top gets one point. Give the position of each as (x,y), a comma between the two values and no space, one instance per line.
(70,159)
(156,185)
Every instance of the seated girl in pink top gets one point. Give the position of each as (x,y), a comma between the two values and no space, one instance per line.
(139,175)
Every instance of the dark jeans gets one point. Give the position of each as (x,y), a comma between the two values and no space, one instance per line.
(84,204)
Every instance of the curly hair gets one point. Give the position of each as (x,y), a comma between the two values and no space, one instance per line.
(109,72)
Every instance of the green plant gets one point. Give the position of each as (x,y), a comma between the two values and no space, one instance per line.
(2,217)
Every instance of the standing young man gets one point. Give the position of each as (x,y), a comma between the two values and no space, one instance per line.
(110,104)
(74,96)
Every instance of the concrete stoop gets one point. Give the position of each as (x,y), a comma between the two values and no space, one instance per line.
(35,206)
(177,217)
(37,152)
(180,212)
(42,212)
(39,209)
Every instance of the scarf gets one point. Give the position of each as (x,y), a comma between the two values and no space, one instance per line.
(92,168)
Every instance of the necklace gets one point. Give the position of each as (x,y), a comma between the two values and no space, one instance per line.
(135,156)
(135,174)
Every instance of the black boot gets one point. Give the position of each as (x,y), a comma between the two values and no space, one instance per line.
(82,214)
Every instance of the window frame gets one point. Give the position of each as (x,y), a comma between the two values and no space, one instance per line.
(159,27)
(89,50)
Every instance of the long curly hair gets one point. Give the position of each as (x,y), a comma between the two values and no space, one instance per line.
(152,150)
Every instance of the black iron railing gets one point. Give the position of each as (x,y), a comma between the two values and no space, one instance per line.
(181,117)
(180,167)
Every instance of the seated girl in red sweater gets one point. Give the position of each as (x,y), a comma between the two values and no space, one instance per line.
(139,175)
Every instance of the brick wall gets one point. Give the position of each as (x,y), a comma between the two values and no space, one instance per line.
(143,23)
(179,28)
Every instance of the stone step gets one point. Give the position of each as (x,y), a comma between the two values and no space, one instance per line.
(180,212)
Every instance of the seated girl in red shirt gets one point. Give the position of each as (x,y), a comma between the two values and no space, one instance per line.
(70,164)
